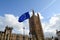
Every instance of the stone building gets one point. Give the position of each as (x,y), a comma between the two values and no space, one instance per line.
(36,31)
(8,35)
(58,34)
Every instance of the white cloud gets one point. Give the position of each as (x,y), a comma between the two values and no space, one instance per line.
(41,17)
(12,21)
(51,26)
(53,20)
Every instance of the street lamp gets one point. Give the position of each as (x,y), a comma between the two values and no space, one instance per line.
(23,33)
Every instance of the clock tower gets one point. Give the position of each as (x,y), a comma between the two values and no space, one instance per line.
(36,27)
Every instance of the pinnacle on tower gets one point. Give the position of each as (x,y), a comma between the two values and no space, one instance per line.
(38,14)
(33,12)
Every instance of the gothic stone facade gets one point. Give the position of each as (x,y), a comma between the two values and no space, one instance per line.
(35,27)
(8,35)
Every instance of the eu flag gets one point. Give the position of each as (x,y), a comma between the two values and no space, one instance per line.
(24,17)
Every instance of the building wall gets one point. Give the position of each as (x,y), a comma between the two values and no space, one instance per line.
(58,35)
(8,35)
(35,27)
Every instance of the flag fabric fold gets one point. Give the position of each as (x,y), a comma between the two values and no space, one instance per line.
(24,17)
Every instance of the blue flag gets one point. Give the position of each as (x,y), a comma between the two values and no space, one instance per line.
(24,17)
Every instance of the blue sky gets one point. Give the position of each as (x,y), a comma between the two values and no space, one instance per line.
(47,8)
(18,7)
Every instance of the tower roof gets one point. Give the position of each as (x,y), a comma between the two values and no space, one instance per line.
(9,28)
